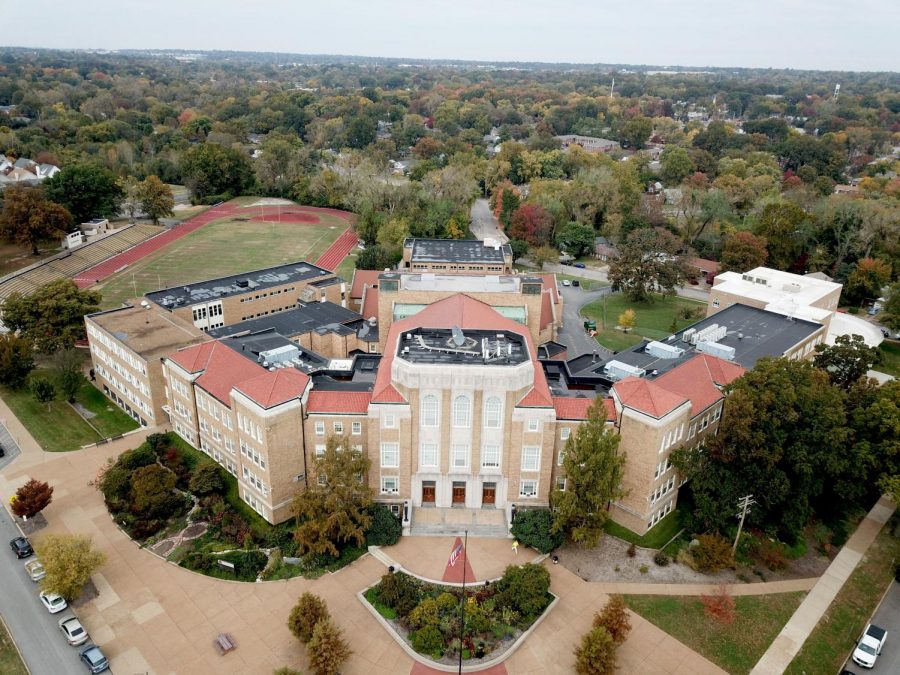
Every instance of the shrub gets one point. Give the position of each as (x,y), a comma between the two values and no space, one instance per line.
(614,618)
(839,533)
(428,640)
(230,526)
(632,550)
(142,529)
(309,610)
(136,458)
(116,486)
(661,558)
(720,606)
(532,528)
(327,650)
(712,553)
(385,529)
(597,653)
(399,592)
(158,443)
(426,613)
(524,589)
(771,555)
(284,670)
(207,479)
(643,569)
(152,492)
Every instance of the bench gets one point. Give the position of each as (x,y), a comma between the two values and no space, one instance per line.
(224,643)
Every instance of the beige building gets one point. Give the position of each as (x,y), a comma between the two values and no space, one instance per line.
(456,256)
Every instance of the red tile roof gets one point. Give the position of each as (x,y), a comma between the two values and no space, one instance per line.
(193,359)
(569,408)
(224,369)
(467,313)
(647,397)
(362,278)
(697,378)
(550,282)
(546,310)
(370,304)
(704,265)
(351,402)
(274,388)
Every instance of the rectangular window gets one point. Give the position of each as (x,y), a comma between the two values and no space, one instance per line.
(390,485)
(429,454)
(564,433)
(390,455)
(531,458)
(338,427)
(534,425)
(320,451)
(320,428)
(561,483)
(356,428)
(528,488)
(561,458)
(389,421)
(692,430)
(460,455)
(717,413)
(490,456)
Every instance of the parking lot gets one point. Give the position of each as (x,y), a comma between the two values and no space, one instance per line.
(887,617)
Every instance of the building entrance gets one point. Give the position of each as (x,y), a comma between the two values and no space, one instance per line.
(488,494)
(459,494)
(428,492)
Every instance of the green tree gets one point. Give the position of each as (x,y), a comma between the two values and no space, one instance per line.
(155,198)
(67,369)
(327,650)
(742,252)
(153,492)
(309,610)
(783,226)
(43,390)
(52,317)
(890,315)
(207,479)
(676,165)
(627,319)
(334,508)
(16,359)
(31,498)
(847,360)
(534,528)
(385,529)
(69,561)
(636,132)
(542,255)
(523,588)
(868,278)
(596,655)
(29,220)
(86,190)
(211,171)
(576,239)
(509,203)
(649,261)
(593,468)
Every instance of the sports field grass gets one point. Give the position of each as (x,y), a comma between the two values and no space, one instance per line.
(227,246)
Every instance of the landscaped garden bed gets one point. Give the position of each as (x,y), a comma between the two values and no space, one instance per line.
(183,506)
(427,615)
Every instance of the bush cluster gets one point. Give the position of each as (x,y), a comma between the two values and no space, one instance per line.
(385,529)
(533,528)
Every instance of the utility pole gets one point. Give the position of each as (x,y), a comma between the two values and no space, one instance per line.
(462,604)
(744,504)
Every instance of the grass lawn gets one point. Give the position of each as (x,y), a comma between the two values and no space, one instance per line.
(833,638)
(736,647)
(10,662)
(14,257)
(347,265)
(653,319)
(657,537)
(890,358)
(61,428)
(223,247)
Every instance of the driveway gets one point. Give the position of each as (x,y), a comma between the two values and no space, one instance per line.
(33,628)
(484,225)
(888,617)
(572,333)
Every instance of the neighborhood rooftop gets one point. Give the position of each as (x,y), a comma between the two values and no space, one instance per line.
(457,250)
(258,280)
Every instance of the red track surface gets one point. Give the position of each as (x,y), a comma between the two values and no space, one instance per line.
(338,250)
(109,267)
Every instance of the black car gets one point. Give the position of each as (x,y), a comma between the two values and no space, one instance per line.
(21,547)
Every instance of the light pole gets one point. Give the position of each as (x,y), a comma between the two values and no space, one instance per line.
(744,504)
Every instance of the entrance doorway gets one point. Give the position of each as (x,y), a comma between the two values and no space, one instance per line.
(488,494)
(428,493)
(459,494)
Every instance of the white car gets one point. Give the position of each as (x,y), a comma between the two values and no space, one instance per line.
(869,646)
(53,602)
(566,282)
(73,630)
(35,570)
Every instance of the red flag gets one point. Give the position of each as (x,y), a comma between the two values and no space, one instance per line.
(455,553)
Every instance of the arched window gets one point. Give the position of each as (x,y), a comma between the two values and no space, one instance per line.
(492,411)
(461,411)
(430,411)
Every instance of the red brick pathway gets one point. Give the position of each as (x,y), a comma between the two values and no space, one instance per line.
(454,574)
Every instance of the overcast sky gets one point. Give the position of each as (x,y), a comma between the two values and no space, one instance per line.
(814,34)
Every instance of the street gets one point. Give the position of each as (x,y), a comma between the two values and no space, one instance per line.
(572,333)
(484,225)
(887,617)
(33,628)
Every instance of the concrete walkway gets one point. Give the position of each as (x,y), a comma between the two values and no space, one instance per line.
(788,643)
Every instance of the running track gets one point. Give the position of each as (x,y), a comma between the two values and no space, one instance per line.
(329,260)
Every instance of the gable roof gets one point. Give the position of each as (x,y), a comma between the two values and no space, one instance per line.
(546,309)
(351,402)
(361,279)
(370,303)
(193,359)
(274,388)
(576,408)
(699,380)
(225,368)
(647,397)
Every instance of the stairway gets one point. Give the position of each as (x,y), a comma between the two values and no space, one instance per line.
(434,522)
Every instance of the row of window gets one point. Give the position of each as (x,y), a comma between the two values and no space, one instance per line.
(662,490)
(528,489)
(659,515)
(114,347)
(671,437)
(430,413)
(255,481)
(259,296)
(116,366)
(459,456)
(249,427)
(209,405)
(267,312)
(253,455)
(662,467)
(201,312)
(338,428)
(130,395)
(705,421)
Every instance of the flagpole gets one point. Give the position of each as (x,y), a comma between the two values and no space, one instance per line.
(462,607)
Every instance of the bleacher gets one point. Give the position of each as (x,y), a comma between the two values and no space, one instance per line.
(82,258)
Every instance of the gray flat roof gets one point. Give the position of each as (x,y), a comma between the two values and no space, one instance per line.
(245,282)
(303,319)
(456,250)
(437,346)
(254,345)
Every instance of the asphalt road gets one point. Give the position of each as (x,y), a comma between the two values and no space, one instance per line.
(484,225)
(10,447)
(887,617)
(572,333)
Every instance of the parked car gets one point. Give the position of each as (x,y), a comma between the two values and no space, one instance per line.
(21,547)
(73,630)
(576,282)
(579,265)
(35,569)
(94,659)
(869,646)
(566,282)
(53,602)
(2,451)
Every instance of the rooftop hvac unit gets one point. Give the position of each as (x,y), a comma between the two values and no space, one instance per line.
(792,287)
(616,370)
(717,349)
(661,350)
(688,334)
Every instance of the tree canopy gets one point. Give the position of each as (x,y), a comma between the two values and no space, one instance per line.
(650,261)
(29,220)
(52,317)
(86,191)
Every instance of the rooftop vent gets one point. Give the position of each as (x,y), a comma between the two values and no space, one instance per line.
(457,336)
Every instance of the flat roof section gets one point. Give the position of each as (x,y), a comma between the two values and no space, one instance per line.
(462,283)
(270,350)
(457,250)
(246,282)
(458,347)
(148,330)
(322,316)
